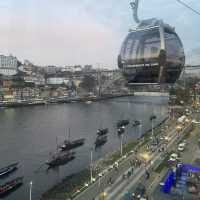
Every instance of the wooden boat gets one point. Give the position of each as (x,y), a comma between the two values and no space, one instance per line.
(10,186)
(72,144)
(121,130)
(121,123)
(60,158)
(100,140)
(9,169)
(102,131)
(136,123)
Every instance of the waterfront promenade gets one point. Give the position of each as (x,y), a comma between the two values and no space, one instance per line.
(120,186)
(59,100)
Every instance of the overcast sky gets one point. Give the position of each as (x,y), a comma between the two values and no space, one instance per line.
(67,32)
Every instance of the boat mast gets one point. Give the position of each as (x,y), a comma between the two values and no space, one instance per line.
(134,6)
(69,134)
(56,144)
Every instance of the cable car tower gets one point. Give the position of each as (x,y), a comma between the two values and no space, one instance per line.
(152,53)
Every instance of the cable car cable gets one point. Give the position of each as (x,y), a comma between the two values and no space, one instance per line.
(189,7)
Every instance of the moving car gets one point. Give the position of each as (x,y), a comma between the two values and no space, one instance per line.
(173,157)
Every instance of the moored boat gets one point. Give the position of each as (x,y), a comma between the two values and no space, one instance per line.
(72,144)
(121,130)
(100,140)
(10,186)
(7,170)
(136,123)
(1,104)
(121,123)
(102,131)
(36,102)
(60,158)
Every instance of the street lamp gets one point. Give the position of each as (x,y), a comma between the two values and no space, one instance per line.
(121,144)
(145,156)
(152,118)
(91,165)
(140,128)
(30,190)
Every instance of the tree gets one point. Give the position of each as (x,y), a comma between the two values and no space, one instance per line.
(73,86)
(88,83)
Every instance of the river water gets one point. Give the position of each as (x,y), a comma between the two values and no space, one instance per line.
(28,135)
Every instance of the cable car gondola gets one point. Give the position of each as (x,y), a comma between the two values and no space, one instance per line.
(152,53)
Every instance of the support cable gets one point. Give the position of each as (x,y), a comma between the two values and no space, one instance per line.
(189,7)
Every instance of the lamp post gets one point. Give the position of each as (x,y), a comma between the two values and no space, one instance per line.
(140,128)
(30,190)
(91,165)
(173,103)
(152,118)
(121,144)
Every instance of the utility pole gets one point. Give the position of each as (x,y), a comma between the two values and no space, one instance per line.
(152,131)
(184,77)
(91,165)
(99,78)
(99,75)
(152,118)
(121,144)
(141,127)
(30,191)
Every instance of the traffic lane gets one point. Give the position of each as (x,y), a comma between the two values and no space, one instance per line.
(141,172)
(126,167)
(117,190)
(115,175)
(156,155)
(99,185)
(126,163)
(94,189)
(121,193)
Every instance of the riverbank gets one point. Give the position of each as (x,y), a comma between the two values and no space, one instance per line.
(80,184)
(67,186)
(155,94)
(59,100)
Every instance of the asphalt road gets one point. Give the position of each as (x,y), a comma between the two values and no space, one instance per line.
(120,186)
(119,192)
(96,188)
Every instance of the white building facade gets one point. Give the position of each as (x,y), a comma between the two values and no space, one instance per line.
(8,65)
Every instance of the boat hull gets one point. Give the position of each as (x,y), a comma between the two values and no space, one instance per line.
(61,159)
(101,140)
(101,132)
(122,123)
(7,170)
(72,145)
(11,186)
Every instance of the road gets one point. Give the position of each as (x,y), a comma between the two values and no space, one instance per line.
(97,187)
(118,192)
(120,186)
